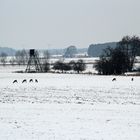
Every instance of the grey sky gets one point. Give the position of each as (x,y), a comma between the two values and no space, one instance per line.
(60,23)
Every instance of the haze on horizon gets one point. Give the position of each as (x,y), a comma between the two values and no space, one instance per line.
(47,24)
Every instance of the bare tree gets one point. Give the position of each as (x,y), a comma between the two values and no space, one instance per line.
(131,47)
(12,61)
(46,56)
(120,59)
(25,56)
(46,67)
(70,52)
(21,57)
(18,57)
(3,58)
(79,66)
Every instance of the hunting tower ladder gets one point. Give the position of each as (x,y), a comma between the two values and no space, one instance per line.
(34,64)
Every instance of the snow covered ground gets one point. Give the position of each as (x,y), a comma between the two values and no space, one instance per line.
(69,107)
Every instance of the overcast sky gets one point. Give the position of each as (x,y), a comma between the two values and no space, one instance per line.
(61,23)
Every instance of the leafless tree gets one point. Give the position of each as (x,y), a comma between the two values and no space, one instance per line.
(12,61)
(46,56)
(131,47)
(3,58)
(21,57)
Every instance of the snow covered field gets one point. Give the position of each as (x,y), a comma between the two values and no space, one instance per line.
(69,107)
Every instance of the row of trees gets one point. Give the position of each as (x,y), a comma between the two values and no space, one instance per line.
(21,57)
(77,66)
(3,57)
(116,60)
(70,52)
(121,59)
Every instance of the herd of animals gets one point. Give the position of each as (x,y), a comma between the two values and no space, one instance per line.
(36,81)
(25,81)
(114,79)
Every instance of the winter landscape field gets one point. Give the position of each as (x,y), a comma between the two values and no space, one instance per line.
(69,107)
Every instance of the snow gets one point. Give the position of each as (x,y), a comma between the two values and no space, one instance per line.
(69,121)
(69,107)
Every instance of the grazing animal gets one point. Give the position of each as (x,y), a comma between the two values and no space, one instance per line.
(114,79)
(31,80)
(36,80)
(132,79)
(24,81)
(15,81)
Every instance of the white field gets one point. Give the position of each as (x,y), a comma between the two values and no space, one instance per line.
(69,107)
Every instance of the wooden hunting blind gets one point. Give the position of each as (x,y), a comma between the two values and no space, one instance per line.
(34,64)
(32,52)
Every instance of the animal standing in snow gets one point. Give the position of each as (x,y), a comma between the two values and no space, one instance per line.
(24,81)
(132,79)
(114,79)
(36,80)
(31,80)
(15,81)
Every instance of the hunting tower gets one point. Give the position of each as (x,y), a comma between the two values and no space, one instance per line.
(34,64)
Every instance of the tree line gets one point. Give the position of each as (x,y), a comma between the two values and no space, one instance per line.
(116,60)
(21,57)
(120,59)
(77,66)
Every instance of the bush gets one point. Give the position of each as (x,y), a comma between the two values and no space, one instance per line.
(114,61)
(61,66)
(79,66)
(46,67)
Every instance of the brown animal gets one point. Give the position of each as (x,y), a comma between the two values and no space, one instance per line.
(15,81)
(24,81)
(31,80)
(114,79)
